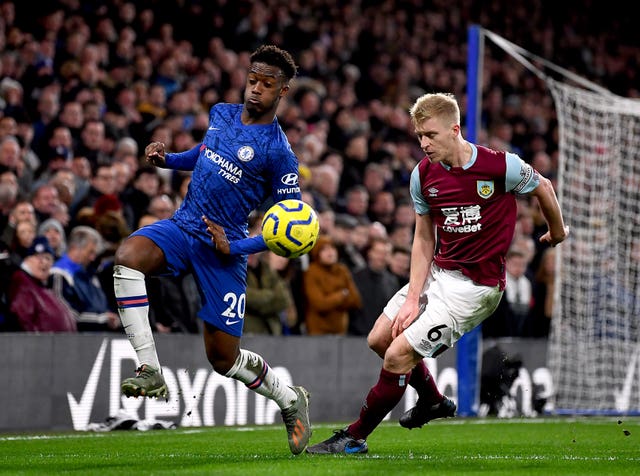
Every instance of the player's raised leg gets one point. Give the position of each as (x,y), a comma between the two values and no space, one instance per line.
(136,256)
(226,357)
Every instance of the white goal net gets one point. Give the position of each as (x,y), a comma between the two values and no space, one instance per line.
(594,343)
(594,347)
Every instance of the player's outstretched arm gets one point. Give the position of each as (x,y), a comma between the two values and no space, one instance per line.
(156,154)
(548,202)
(245,246)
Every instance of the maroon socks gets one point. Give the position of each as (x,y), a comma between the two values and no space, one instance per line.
(422,380)
(382,398)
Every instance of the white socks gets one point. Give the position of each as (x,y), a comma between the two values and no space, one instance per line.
(255,373)
(133,307)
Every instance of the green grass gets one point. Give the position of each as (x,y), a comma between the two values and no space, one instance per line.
(582,446)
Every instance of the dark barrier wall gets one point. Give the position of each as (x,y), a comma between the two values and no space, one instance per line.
(53,382)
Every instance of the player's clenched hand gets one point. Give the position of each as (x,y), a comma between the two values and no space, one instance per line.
(555,240)
(218,236)
(154,153)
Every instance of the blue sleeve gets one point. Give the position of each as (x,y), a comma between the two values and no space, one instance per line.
(419,203)
(183,160)
(285,176)
(520,178)
(247,246)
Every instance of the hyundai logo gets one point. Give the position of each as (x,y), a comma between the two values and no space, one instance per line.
(290,179)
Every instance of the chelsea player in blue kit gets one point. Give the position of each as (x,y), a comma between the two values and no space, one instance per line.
(243,160)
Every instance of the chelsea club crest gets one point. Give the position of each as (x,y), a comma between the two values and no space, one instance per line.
(245,153)
(485,188)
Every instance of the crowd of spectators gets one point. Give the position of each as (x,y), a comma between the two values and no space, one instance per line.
(86,85)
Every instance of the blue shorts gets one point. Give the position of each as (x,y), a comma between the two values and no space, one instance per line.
(221,280)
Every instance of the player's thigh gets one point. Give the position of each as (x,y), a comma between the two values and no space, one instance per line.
(222,284)
(455,305)
(170,239)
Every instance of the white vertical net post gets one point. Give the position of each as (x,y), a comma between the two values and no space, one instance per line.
(594,346)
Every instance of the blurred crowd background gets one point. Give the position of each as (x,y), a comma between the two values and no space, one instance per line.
(87,84)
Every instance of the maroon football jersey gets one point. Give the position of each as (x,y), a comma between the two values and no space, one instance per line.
(473,214)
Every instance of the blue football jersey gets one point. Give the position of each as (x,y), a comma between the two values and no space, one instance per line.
(236,169)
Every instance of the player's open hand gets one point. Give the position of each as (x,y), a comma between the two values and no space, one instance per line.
(154,154)
(406,315)
(218,237)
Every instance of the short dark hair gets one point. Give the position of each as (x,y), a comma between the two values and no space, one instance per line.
(145,169)
(274,56)
(96,166)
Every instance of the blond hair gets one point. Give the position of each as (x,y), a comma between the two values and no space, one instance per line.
(441,105)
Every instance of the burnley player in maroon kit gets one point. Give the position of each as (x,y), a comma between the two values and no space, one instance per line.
(465,199)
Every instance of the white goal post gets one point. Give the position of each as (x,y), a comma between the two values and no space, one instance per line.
(594,343)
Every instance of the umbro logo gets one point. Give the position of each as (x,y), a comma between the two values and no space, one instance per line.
(432,191)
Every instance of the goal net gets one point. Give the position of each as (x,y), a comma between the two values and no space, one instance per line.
(594,343)
(594,346)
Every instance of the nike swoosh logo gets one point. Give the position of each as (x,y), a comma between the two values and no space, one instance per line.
(230,323)
(81,410)
(213,128)
(352,449)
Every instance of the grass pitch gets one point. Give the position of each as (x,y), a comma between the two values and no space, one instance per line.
(567,446)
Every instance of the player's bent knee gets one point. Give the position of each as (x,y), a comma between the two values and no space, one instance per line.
(397,365)
(380,337)
(222,362)
(400,356)
(127,255)
(139,253)
(379,346)
(221,365)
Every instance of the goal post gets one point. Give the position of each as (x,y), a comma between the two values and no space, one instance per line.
(594,344)
(469,347)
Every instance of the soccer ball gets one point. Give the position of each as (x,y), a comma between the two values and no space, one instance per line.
(290,228)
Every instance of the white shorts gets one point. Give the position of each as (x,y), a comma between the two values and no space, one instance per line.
(451,304)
